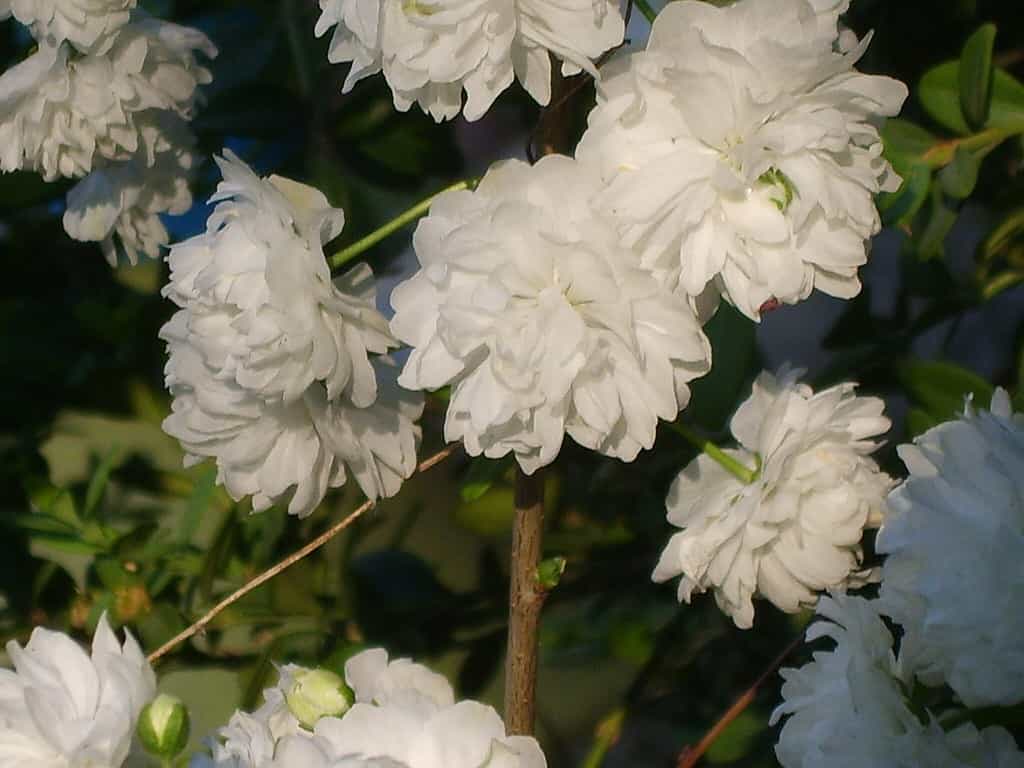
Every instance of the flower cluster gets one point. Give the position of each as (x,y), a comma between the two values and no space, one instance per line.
(106,96)
(953,538)
(270,363)
(60,706)
(848,707)
(796,528)
(432,50)
(403,716)
(960,626)
(525,304)
(740,150)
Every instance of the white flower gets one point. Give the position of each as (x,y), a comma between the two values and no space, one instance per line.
(954,536)
(59,109)
(432,50)
(540,322)
(741,150)
(292,452)
(992,747)
(126,199)
(62,708)
(89,25)
(796,529)
(405,716)
(262,310)
(847,708)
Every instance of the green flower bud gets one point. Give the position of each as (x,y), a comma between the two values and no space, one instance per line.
(317,693)
(163,726)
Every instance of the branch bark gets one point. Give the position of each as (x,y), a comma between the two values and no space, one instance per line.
(690,756)
(526,598)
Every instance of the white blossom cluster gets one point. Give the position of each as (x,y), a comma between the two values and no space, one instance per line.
(430,51)
(953,576)
(849,707)
(61,707)
(740,151)
(277,372)
(796,529)
(737,157)
(952,581)
(403,716)
(106,98)
(543,326)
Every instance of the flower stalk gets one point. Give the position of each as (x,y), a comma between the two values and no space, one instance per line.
(401,220)
(738,470)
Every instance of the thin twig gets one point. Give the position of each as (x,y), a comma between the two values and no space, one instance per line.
(526,598)
(690,756)
(200,624)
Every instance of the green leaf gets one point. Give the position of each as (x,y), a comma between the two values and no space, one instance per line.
(113,575)
(737,739)
(898,208)
(631,640)
(98,481)
(930,241)
(976,76)
(1003,235)
(919,422)
(906,143)
(198,503)
(939,93)
(482,474)
(489,515)
(959,178)
(941,388)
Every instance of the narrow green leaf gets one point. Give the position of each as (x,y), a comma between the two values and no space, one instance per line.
(39,522)
(99,480)
(198,503)
(941,388)
(1005,232)
(930,241)
(976,76)
(64,543)
(959,178)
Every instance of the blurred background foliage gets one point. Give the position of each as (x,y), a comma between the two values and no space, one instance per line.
(98,514)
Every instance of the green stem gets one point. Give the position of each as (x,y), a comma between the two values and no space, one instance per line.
(742,473)
(645,8)
(406,217)
(984,142)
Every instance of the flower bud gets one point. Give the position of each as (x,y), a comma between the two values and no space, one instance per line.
(317,693)
(163,726)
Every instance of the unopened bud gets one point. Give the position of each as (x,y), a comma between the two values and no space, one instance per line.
(163,726)
(317,693)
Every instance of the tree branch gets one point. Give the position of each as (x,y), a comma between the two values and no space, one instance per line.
(690,756)
(201,623)
(526,598)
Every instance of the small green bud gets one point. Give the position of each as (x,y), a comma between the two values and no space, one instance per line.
(163,726)
(549,572)
(317,693)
